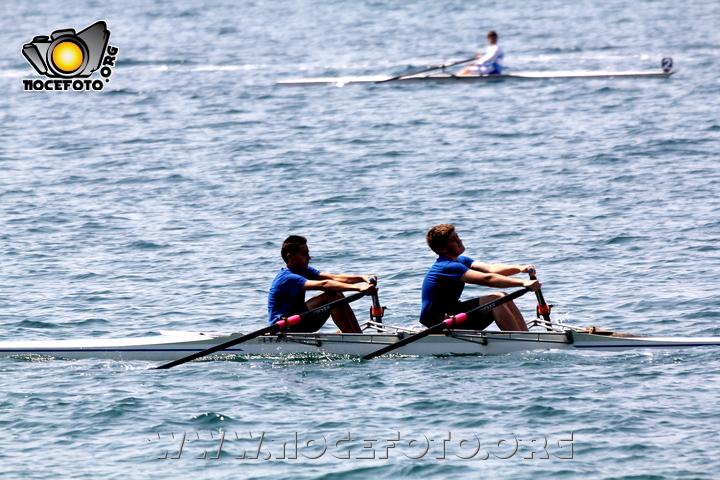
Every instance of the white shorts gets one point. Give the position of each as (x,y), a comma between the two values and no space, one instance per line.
(486,69)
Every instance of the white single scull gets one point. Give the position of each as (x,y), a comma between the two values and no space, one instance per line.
(448,78)
(444,77)
(171,345)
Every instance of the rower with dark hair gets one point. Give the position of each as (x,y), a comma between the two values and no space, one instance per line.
(287,292)
(489,64)
(445,281)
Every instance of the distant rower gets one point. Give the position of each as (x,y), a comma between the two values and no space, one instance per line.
(491,62)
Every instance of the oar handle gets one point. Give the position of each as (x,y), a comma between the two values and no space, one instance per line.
(376,310)
(449,322)
(543,308)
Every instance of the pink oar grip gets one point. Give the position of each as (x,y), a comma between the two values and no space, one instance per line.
(454,320)
(288,322)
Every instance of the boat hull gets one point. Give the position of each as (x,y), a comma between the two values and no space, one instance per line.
(447,78)
(175,345)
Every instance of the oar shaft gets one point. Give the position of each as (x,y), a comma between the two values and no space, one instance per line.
(269,329)
(447,323)
(434,329)
(427,70)
(279,325)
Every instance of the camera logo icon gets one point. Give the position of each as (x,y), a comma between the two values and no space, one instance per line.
(66,54)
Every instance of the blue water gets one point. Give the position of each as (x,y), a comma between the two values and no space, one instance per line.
(161,202)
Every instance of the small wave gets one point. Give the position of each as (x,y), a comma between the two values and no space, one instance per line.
(124,91)
(92,322)
(147,245)
(129,63)
(37,324)
(544,411)
(209,419)
(622,239)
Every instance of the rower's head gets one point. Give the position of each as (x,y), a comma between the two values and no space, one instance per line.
(294,252)
(492,37)
(444,240)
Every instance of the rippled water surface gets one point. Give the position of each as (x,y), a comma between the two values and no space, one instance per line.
(161,202)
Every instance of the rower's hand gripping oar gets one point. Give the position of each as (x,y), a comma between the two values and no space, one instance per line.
(449,322)
(427,70)
(282,324)
(543,309)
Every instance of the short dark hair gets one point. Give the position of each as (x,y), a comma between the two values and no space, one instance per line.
(492,33)
(437,237)
(291,246)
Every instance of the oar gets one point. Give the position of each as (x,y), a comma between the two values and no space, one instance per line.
(543,308)
(448,323)
(275,327)
(427,70)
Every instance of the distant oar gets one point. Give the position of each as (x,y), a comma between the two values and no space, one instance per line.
(447,323)
(427,70)
(275,327)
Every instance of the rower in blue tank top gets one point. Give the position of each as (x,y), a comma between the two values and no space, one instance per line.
(287,292)
(446,279)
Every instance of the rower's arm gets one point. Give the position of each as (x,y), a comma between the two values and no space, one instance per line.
(344,278)
(501,268)
(335,286)
(495,280)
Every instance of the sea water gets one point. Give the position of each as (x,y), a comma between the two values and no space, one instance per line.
(161,201)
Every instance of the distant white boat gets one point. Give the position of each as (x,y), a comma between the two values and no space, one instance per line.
(445,77)
(448,78)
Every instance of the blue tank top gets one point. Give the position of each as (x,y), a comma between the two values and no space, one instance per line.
(442,288)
